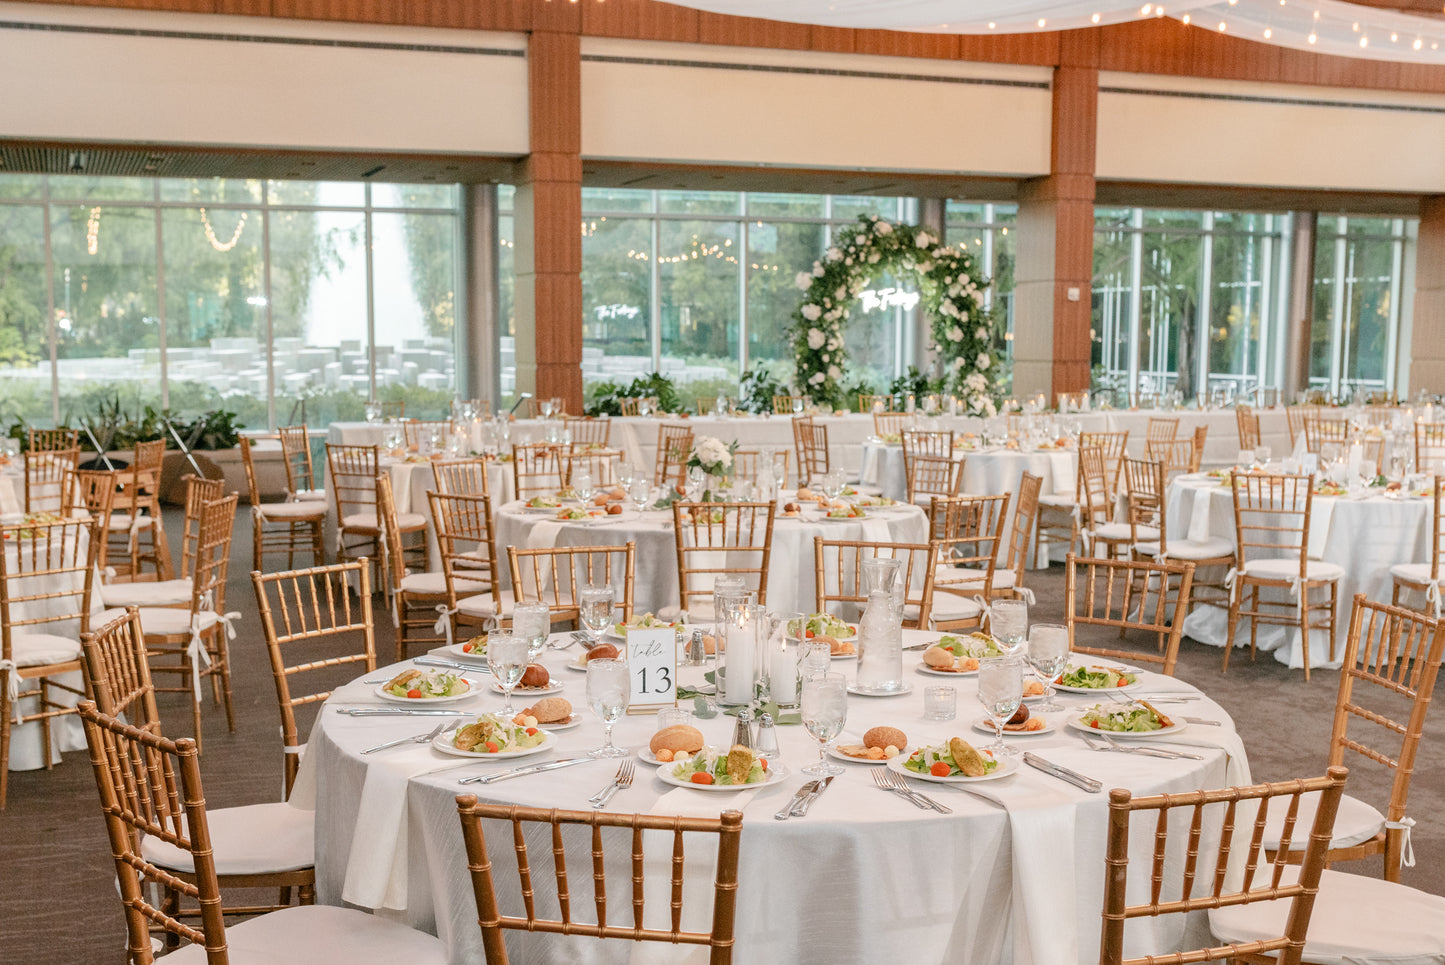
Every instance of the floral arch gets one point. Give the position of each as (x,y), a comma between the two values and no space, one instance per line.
(950,292)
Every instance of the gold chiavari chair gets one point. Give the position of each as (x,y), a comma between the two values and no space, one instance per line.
(921,442)
(467,542)
(747,462)
(1247,421)
(394,409)
(842,591)
(537,469)
(1201,435)
(1430,447)
(52,440)
(721,539)
(1391,661)
(176,592)
(534,407)
(783,404)
(868,403)
(1175,455)
(930,476)
(289,528)
(136,521)
(45,474)
(888,424)
(1097,486)
(353,488)
(1161,430)
(310,616)
(1008,580)
(300,472)
(705,406)
(1212,816)
(1145,482)
(1320,430)
(811,441)
(727,828)
(674,448)
(1295,416)
(196,636)
(1272,525)
(46,577)
(90,491)
(154,807)
(1128,596)
(588,431)
(555,575)
(1425,577)
(117,676)
(629,406)
(462,477)
(412,597)
(420,431)
(1146,400)
(968,531)
(600,464)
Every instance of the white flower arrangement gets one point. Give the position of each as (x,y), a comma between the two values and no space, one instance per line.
(816,338)
(712,456)
(812,313)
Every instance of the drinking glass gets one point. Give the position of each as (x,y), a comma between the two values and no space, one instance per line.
(532,622)
(639,489)
(1008,623)
(596,610)
(1000,690)
(546,407)
(798,405)
(696,479)
(834,482)
(1261,454)
(816,658)
(607,694)
(557,405)
(940,703)
(1048,655)
(582,484)
(825,711)
(507,658)
(644,407)
(625,473)
(373,411)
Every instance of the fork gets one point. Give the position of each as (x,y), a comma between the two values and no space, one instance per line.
(880,778)
(418,739)
(897,781)
(620,783)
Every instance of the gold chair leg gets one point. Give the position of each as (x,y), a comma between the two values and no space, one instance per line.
(1235,599)
(1305,627)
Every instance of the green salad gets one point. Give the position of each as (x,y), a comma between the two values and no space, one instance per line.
(492,734)
(1123,718)
(823,625)
(1097,678)
(543,502)
(977,645)
(647,621)
(420,686)
(711,766)
(957,758)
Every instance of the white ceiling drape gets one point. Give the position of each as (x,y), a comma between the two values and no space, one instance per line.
(1323,26)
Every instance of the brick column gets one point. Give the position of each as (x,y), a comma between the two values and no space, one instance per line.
(1426,355)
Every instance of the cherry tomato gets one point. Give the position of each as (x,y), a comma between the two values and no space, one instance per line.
(1123,682)
(701,777)
(939,769)
(1094,724)
(413,692)
(763,763)
(810,633)
(492,747)
(531,731)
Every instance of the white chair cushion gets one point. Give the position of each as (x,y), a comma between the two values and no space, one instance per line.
(950,608)
(1188,549)
(105,616)
(41,649)
(249,840)
(320,935)
(366,522)
(162,593)
(1288,569)
(1412,573)
(303,495)
(1355,823)
(1064,501)
(481,606)
(168,621)
(1356,921)
(305,510)
(435,583)
(1122,531)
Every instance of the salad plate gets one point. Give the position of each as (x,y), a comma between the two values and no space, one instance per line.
(935,672)
(1106,678)
(458,649)
(467,691)
(836,754)
(985,726)
(774,774)
(551,688)
(827,625)
(1006,766)
(1124,713)
(444,743)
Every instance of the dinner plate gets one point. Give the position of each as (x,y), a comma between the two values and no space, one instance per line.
(1006,766)
(985,726)
(1077,723)
(839,755)
(574,721)
(443,743)
(907,688)
(934,671)
(540,509)
(1061,688)
(551,688)
(846,656)
(469,692)
(456,649)
(776,773)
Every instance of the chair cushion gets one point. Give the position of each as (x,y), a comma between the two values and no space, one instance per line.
(303,495)
(1065,501)
(482,606)
(42,649)
(436,583)
(1288,569)
(1355,823)
(162,593)
(320,935)
(306,509)
(1188,549)
(1122,531)
(949,608)
(168,621)
(1412,573)
(249,840)
(1356,920)
(366,522)
(120,521)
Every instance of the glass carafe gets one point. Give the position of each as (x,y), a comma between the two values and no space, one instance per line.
(880,646)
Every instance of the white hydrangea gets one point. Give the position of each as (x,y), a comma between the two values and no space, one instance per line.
(922,240)
(860,239)
(958,362)
(804,280)
(981,332)
(710,451)
(833,254)
(873,258)
(818,269)
(975,381)
(834,372)
(883,228)
(842,293)
(955,334)
(817,378)
(816,338)
(811,312)
(983,361)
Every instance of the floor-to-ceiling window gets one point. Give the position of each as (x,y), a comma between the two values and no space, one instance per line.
(267,298)
(1356,316)
(986,231)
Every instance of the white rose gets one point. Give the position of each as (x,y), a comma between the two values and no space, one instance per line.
(811,312)
(989,408)
(833,254)
(848,261)
(817,378)
(841,293)
(834,372)
(818,269)
(976,381)
(981,332)
(925,266)
(983,361)
(922,240)
(873,258)
(958,362)
(816,338)
(803,280)
(883,228)
(860,239)
(955,334)
(834,344)
(726,458)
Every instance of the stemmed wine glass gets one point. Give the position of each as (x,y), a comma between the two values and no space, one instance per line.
(834,482)
(639,490)
(797,405)
(644,406)
(582,485)
(1000,690)
(607,694)
(1008,623)
(596,610)
(1048,655)
(532,622)
(546,406)
(696,480)
(507,658)
(825,711)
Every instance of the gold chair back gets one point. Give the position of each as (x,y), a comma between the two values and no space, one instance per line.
(933,476)
(462,477)
(1161,430)
(1128,595)
(783,404)
(587,431)
(811,441)
(52,440)
(840,588)
(117,675)
(1272,517)
(45,475)
(467,541)
(296,448)
(1247,421)
(536,469)
(674,448)
(427,430)
(1430,447)
(747,462)
(554,576)
(1113,445)
(722,539)
(968,531)
(870,403)
(600,464)
(1021,529)
(892,423)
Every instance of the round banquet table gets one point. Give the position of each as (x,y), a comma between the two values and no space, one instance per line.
(1013,875)
(1364,535)
(791,576)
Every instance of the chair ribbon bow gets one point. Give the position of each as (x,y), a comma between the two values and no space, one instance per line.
(12,688)
(1230,577)
(1432,596)
(258,514)
(1026,593)
(986,611)
(137,523)
(198,655)
(109,574)
(1407,850)
(444,622)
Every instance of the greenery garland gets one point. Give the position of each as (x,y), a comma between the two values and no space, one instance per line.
(950,292)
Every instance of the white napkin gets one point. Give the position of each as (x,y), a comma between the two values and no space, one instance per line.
(876,530)
(9,502)
(1199,512)
(1064,466)
(686,802)
(1319,535)
(543,534)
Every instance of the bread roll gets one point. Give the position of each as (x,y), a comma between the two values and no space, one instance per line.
(678,737)
(535,676)
(882,737)
(603,651)
(938,658)
(1020,715)
(550,710)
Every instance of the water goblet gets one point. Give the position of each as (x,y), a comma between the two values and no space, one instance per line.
(824,711)
(816,658)
(625,472)
(546,406)
(532,622)
(644,406)
(696,479)
(1048,655)
(507,658)
(596,611)
(638,490)
(373,411)
(1001,690)
(797,405)
(1008,623)
(607,695)
(582,484)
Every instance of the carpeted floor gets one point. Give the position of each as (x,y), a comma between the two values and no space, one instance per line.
(57,879)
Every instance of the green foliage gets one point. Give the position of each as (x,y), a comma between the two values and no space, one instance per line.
(214,430)
(757,388)
(607,396)
(915,382)
(851,391)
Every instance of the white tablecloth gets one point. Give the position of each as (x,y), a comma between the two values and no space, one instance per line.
(12,492)
(1365,536)
(1018,878)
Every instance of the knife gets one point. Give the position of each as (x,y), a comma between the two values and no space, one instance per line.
(1063,773)
(1202,720)
(808,787)
(520,771)
(451,664)
(399,712)
(1161,752)
(801,810)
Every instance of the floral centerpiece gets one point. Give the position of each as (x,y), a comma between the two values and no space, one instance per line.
(714,457)
(950,292)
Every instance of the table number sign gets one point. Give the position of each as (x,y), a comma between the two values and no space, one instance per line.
(652,668)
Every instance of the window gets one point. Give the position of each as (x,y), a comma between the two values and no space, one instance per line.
(255,296)
(986,231)
(1356,303)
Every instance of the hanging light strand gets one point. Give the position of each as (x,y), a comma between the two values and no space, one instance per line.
(216,243)
(92,231)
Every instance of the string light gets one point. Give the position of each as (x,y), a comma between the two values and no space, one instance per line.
(1185,19)
(1312,38)
(1147,9)
(1268,33)
(211,234)
(1095,18)
(1364,41)
(1041,21)
(1418,43)
(1223,26)
(92,231)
